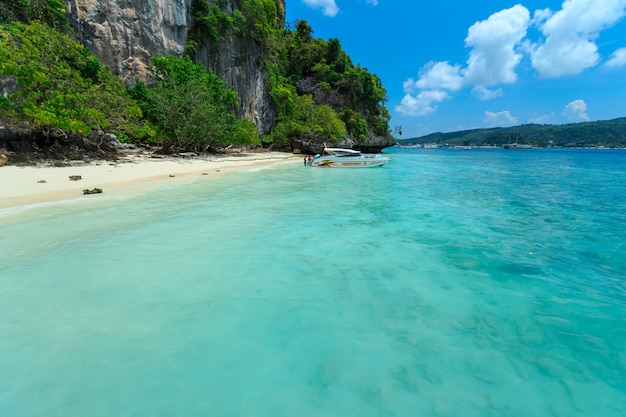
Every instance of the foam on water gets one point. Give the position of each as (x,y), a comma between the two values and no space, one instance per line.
(482,283)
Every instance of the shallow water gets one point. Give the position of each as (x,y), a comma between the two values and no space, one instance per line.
(475,283)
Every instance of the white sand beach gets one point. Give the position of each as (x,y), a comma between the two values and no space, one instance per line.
(23,185)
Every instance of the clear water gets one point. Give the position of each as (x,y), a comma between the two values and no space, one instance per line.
(475,283)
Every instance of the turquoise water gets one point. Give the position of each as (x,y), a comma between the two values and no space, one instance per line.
(474,283)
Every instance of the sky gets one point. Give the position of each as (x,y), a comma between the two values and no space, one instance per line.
(452,65)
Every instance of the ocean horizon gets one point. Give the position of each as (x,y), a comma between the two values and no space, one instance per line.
(487,282)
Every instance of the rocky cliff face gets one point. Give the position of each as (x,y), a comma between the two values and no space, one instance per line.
(124,34)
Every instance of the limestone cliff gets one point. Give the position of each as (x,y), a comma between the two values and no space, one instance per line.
(124,34)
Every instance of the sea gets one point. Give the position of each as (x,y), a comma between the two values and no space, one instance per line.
(480,283)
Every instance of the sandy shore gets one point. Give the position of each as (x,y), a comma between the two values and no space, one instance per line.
(21,186)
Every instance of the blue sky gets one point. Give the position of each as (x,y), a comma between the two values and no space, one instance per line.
(459,64)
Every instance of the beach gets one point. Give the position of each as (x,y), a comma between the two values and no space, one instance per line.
(24,185)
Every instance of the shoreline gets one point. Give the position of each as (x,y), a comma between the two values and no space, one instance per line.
(27,185)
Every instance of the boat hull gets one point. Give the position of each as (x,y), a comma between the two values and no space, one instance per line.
(350,162)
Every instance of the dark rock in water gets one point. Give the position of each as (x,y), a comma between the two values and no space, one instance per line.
(93,191)
(75,177)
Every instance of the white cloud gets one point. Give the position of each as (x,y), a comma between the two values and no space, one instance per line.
(541,16)
(409,86)
(437,75)
(576,111)
(501,118)
(541,119)
(483,93)
(498,44)
(493,58)
(618,59)
(329,7)
(372,2)
(421,105)
(570,34)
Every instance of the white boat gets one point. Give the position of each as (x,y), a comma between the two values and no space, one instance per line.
(348,158)
(516,146)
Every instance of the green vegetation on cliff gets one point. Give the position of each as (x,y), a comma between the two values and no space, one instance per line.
(61,85)
(609,133)
(324,74)
(341,98)
(191,108)
(51,12)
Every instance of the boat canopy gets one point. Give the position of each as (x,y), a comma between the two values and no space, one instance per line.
(342,152)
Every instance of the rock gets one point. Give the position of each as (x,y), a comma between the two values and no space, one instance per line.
(3,159)
(372,144)
(93,191)
(75,177)
(8,85)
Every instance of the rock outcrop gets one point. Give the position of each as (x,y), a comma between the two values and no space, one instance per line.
(322,95)
(8,85)
(372,144)
(28,146)
(124,34)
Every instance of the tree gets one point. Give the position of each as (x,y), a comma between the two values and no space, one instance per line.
(63,86)
(192,108)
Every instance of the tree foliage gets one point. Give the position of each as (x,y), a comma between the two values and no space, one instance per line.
(331,68)
(256,19)
(304,119)
(600,133)
(61,85)
(191,108)
(51,12)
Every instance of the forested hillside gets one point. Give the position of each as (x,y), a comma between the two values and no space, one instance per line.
(53,85)
(609,133)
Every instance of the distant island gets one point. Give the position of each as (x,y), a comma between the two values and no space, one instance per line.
(605,133)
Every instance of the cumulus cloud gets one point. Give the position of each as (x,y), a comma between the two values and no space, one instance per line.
(498,44)
(501,118)
(618,59)
(493,56)
(541,119)
(492,60)
(437,75)
(570,35)
(483,93)
(409,86)
(576,111)
(493,41)
(329,7)
(424,103)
